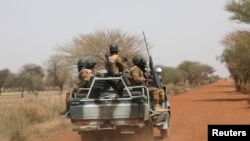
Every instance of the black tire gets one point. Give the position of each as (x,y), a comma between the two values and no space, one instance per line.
(164,133)
(146,133)
(88,136)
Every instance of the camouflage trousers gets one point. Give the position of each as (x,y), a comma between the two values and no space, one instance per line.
(157,94)
(67,97)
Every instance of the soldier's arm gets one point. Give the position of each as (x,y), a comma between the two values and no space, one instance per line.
(98,74)
(136,76)
(83,75)
(122,66)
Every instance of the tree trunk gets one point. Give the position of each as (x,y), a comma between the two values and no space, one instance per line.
(22,90)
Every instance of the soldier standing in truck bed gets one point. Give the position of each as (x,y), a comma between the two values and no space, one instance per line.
(86,70)
(137,77)
(114,64)
(115,67)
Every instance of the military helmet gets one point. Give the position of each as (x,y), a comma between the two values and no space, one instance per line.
(90,64)
(137,59)
(113,47)
(82,63)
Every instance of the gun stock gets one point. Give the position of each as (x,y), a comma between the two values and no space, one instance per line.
(154,76)
(110,68)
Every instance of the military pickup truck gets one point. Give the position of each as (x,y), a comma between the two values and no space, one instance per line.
(110,107)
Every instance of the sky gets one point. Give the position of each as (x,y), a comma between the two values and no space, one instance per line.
(179,30)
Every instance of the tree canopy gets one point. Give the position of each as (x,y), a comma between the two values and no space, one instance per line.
(236,54)
(96,45)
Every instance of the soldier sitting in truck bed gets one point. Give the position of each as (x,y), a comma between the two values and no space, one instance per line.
(86,70)
(137,77)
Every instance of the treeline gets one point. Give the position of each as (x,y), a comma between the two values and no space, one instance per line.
(236,54)
(33,78)
(60,73)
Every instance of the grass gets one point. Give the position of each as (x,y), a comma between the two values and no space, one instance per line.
(21,119)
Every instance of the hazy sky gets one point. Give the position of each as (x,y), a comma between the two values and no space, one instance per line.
(179,29)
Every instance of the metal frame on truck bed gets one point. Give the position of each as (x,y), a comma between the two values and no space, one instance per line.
(110,107)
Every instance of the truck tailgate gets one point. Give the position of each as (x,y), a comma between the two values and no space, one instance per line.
(108,110)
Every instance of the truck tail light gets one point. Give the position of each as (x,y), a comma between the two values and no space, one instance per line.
(81,122)
(132,120)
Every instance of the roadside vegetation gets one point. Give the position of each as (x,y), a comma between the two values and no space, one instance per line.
(25,119)
(21,117)
(236,54)
(60,73)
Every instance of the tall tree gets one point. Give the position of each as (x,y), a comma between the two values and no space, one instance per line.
(196,72)
(57,72)
(236,51)
(96,45)
(240,10)
(35,74)
(4,74)
(20,81)
(236,55)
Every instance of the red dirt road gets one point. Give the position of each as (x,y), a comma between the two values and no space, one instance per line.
(191,112)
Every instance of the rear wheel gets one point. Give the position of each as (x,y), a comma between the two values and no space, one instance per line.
(88,136)
(146,133)
(164,133)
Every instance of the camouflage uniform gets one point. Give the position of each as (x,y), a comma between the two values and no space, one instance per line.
(83,79)
(136,77)
(118,66)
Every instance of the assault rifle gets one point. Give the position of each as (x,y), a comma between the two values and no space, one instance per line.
(153,75)
(109,65)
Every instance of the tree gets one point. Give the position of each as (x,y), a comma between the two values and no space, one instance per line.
(20,81)
(58,71)
(4,74)
(196,72)
(172,75)
(236,55)
(96,45)
(35,74)
(240,10)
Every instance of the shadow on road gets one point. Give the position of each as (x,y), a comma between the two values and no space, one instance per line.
(223,86)
(226,92)
(224,100)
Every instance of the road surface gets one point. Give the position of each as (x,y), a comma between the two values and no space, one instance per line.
(192,112)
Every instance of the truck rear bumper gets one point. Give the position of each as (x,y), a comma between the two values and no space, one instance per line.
(123,127)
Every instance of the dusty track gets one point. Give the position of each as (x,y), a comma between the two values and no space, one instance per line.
(216,103)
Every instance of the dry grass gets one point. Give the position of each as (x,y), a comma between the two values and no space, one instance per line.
(26,119)
(173,89)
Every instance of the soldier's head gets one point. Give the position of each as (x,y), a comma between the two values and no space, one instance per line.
(113,48)
(90,64)
(139,61)
(82,63)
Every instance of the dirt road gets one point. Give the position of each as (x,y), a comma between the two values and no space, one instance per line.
(216,103)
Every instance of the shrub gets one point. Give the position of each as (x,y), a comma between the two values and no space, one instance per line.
(173,89)
(20,118)
(14,123)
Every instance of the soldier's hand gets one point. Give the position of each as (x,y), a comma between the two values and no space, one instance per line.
(75,90)
(149,80)
(124,59)
(126,71)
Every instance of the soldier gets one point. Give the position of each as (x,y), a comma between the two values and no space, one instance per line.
(114,64)
(137,77)
(86,70)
